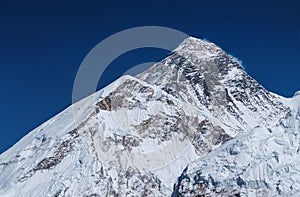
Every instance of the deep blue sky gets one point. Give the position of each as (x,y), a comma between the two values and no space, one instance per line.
(43,43)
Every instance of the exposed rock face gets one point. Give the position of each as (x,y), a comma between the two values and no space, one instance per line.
(194,124)
(202,74)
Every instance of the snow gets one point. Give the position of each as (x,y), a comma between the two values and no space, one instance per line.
(148,136)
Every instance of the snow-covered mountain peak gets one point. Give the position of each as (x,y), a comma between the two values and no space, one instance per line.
(297,94)
(198,48)
(200,73)
(194,124)
(296,100)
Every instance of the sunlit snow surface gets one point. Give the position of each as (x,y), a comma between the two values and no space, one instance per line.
(193,124)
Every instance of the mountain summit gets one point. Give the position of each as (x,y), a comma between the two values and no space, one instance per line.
(194,124)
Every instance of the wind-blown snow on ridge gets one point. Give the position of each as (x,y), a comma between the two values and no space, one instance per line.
(194,124)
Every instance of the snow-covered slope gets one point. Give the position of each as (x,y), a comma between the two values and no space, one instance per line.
(260,162)
(196,123)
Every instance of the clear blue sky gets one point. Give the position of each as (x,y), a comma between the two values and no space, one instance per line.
(42,44)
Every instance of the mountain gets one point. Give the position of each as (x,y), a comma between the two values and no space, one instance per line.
(194,124)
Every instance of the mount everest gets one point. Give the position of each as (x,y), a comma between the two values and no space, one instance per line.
(194,124)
